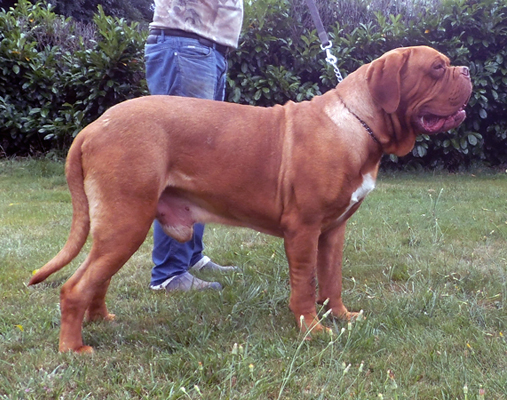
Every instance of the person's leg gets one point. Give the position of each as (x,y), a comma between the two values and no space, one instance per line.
(183,67)
(170,258)
(222,67)
(171,261)
(218,74)
(198,261)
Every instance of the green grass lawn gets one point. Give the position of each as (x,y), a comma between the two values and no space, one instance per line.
(425,258)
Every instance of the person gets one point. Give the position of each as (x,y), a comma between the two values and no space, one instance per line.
(186,55)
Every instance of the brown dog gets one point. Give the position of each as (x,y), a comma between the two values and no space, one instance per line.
(297,171)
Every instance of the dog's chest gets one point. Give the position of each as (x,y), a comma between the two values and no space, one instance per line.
(367,185)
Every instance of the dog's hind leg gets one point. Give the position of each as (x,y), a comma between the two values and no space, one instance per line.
(114,242)
(97,309)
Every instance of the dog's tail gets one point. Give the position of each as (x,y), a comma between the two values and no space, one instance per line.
(80,226)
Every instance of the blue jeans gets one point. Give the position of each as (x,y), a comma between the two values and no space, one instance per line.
(182,67)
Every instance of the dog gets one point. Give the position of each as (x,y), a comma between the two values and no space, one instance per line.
(297,171)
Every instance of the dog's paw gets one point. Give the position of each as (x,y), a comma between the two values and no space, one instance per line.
(349,316)
(99,317)
(78,350)
(110,317)
(84,350)
(310,325)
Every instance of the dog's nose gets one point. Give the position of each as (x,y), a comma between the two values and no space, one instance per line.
(465,71)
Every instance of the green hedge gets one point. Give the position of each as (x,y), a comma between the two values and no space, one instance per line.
(50,88)
(280,59)
(56,76)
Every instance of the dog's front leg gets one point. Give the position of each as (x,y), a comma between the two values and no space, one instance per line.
(329,271)
(301,249)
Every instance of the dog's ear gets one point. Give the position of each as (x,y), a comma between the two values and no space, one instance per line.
(384,79)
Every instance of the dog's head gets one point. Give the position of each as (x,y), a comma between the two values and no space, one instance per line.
(420,91)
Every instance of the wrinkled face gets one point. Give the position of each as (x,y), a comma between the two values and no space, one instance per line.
(438,97)
(421,87)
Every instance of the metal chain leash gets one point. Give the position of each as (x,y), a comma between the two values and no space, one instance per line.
(332,60)
(326,43)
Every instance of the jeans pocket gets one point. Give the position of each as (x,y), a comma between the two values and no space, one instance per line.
(197,72)
(182,69)
(195,51)
(161,69)
(155,54)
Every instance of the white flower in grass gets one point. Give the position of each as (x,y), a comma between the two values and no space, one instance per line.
(482,392)
(361,367)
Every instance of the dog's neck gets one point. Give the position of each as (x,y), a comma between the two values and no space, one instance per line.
(364,124)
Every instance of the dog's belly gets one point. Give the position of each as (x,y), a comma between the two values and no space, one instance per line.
(177,214)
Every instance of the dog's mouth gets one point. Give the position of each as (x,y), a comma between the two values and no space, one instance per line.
(432,123)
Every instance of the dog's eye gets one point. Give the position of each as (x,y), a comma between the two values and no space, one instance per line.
(438,70)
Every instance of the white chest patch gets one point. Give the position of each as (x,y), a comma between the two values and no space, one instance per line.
(360,193)
(366,187)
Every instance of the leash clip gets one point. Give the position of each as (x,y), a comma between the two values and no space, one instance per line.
(332,60)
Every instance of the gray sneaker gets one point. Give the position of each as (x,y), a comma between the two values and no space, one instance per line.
(205,264)
(186,282)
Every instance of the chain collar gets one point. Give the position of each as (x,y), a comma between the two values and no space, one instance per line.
(364,124)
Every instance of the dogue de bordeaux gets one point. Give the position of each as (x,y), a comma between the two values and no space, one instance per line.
(297,171)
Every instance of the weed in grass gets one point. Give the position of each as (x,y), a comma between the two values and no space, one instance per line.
(331,355)
(437,232)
